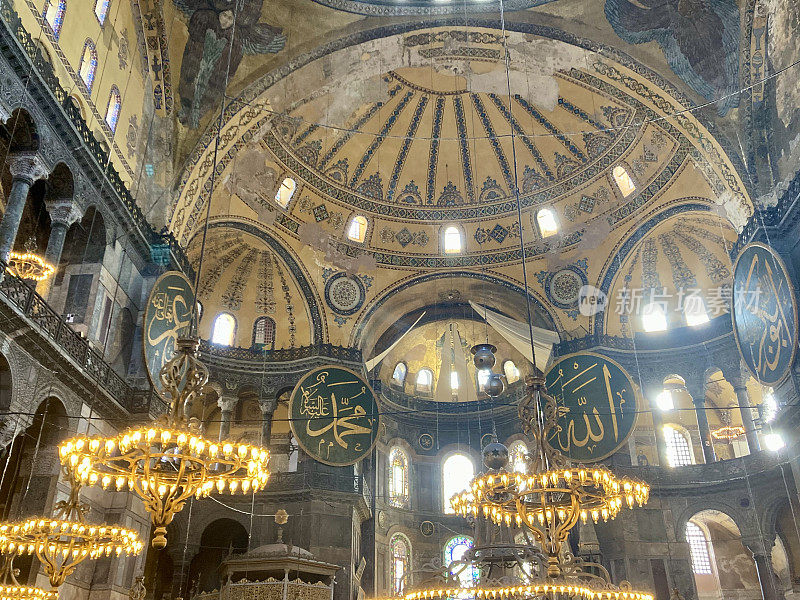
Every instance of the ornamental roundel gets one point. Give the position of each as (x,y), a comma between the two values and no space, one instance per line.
(344,294)
(764,313)
(564,286)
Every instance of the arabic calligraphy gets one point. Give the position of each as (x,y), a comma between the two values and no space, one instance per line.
(764,313)
(334,416)
(167,317)
(596,403)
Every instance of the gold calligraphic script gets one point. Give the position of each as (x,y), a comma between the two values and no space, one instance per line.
(334,416)
(596,402)
(764,313)
(167,317)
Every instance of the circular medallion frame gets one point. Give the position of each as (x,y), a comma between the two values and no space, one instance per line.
(552,285)
(344,306)
(636,397)
(748,250)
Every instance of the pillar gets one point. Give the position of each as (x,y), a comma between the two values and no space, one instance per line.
(267,410)
(761,550)
(63,213)
(738,380)
(26,168)
(698,395)
(226,405)
(658,422)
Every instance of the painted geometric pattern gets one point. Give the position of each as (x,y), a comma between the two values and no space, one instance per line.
(232,298)
(265,301)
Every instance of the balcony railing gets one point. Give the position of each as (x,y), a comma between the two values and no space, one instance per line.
(156,240)
(331,351)
(280,482)
(21,295)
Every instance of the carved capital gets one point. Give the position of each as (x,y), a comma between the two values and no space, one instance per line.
(227,403)
(268,405)
(28,166)
(63,211)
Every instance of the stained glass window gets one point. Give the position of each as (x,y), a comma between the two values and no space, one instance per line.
(457,472)
(679,452)
(398,478)
(264,332)
(113,108)
(401,560)
(224,329)
(54,14)
(454,550)
(698,547)
(88,66)
(516,456)
(101,10)
(400,371)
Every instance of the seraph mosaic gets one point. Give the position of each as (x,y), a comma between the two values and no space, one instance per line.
(699,38)
(217,38)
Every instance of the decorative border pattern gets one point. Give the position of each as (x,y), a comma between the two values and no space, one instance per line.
(361,291)
(379,8)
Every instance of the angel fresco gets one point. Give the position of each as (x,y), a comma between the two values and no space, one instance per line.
(209,50)
(699,38)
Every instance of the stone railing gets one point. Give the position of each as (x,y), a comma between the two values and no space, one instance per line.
(13,33)
(280,482)
(271,589)
(341,353)
(22,296)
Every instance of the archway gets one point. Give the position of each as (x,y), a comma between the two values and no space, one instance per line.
(722,565)
(219,538)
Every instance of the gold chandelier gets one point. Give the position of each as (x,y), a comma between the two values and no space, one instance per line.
(572,589)
(10,588)
(28,264)
(65,540)
(169,461)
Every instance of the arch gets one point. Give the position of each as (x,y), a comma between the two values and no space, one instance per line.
(88,65)
(223,331)
(679,445)
(21,133)
(398,480)
(114,102)
(218,538)
(454,551)
(357,229)
(293,266)
(458,469)
(101,11)
(399,373)
(264,333)
(400,563)
(53,15)
(424,382)
(85,242)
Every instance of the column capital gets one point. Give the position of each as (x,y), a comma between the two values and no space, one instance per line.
(268,405)
(28,166)
(63,211)
(227,403)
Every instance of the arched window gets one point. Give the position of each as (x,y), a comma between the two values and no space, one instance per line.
(54,15)
(511,371)
(113,108)
(516,456)
(88,66)
(457,472)
(654,317)
(285,192)
(694,309)
(398,478)
(454,550)
(679,452)
(623,180)
(358,229)
(425,380)
(101,10)
(401,561)
(452,240)
(400,372)
(546,220)
(264,332)
(698,547)
(224,329)
(454,380)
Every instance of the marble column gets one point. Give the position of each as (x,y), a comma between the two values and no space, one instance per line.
(698,395)
(761,550)
(63,213)
(226,404)
(26,168)
(739,382)
(267,410)
(661,442)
